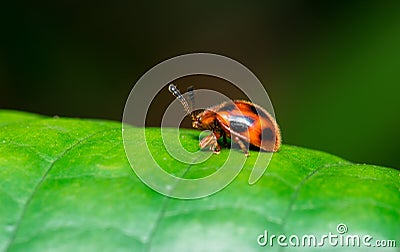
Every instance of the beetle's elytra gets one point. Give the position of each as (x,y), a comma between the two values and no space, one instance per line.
(242,121)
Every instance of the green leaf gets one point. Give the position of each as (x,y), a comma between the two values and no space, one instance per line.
(66,185)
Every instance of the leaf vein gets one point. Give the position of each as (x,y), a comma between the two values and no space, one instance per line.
(163,211)
(300,185)
(27,203)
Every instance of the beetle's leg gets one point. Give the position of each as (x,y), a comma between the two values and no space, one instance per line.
(211,141)
(217,134)
(207,141)
(216,148)
(242,145)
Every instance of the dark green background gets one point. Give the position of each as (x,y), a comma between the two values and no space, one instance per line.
(331,68)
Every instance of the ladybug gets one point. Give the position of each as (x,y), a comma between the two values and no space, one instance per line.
(243,122)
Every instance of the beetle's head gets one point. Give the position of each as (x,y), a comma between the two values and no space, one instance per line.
(197,121)
(204,120)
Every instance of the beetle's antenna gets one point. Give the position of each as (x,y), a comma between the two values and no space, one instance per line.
(192,101)
(175,91)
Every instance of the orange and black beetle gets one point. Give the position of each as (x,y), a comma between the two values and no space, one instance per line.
(242,121)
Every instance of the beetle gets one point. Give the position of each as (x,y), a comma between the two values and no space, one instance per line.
(244,122)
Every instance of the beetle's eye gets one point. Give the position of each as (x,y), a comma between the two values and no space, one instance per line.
(199,119)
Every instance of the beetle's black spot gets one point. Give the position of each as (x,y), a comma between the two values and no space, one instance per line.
(228,107)
(253,109)
(238,126)
(267,134)
(258,111)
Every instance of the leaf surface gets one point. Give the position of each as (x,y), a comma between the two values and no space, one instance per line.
(67,186)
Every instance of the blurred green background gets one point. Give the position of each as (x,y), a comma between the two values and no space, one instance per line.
(332,69)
